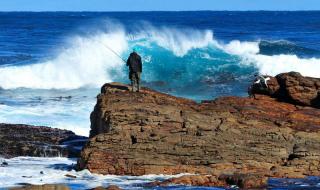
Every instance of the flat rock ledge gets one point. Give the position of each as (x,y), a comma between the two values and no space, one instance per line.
(155,133)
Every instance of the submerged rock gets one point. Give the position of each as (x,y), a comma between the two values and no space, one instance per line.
(111,187)
(70,176)
(4,164)
(25,140)
(155,133)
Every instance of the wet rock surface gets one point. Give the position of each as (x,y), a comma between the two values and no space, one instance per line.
(155,133)
(25,140)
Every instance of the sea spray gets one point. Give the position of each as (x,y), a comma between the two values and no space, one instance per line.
(86,62)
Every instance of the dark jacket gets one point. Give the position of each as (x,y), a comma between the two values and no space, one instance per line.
(134,62)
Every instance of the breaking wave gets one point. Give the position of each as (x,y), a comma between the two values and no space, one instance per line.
(286,47)
(171,55)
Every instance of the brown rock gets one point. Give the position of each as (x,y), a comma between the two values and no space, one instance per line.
(294,88)
(155,133)
(244,181)
(42,187)
(300,90)
(192,180)
(99,188)
(113,187)
(70,176)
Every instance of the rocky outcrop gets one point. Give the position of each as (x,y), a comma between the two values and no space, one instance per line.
(155,133)
(24,140)
(294,88)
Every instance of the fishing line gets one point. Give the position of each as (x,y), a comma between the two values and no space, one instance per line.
(114,52)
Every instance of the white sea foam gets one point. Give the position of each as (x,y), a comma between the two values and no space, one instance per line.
(272,65)
(86,61)
(28,170)
(46,108)
(179,41)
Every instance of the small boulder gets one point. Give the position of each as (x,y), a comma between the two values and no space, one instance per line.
(4,164)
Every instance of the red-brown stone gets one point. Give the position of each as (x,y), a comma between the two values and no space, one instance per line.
(245,139)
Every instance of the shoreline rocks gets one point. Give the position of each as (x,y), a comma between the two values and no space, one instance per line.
(155,133)
(243,181)
(25,140)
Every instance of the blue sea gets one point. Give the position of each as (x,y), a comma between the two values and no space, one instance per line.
(52,64)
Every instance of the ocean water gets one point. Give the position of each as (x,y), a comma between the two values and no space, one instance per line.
(52,65)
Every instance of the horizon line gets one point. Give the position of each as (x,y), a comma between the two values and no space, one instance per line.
(43,11)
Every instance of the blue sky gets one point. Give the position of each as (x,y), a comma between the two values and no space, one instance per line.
(147,5)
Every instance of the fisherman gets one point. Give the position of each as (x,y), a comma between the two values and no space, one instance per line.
(135,69)
(260,85)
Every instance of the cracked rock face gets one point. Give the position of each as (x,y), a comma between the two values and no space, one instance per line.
(154,133)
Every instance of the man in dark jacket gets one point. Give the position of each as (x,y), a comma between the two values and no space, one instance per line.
(135,69)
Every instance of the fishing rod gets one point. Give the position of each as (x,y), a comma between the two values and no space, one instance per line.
(114,52)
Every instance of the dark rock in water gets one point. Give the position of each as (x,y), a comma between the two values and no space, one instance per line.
(111,187)
(245,181)
(70,176)
(42,187)
(155,133)
(4,164)
(24,140)
(26,176)
(42,172)
(294,88)
(60,98)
